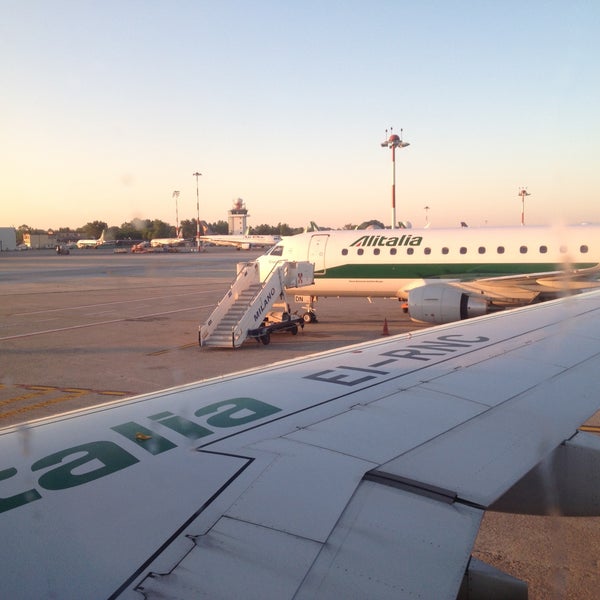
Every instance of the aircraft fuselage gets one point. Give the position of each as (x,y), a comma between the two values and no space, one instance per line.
(389,263)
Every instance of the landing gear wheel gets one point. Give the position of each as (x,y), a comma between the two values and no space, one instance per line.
(265,338)
(309,317)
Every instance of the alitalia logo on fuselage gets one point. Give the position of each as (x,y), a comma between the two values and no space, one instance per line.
(385,240)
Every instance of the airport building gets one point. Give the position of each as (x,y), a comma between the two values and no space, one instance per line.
(39,240)
(237,217)
(8,238)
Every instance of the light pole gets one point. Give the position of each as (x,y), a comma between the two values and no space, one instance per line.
(394,142)
(196,175)
(523,192)
(176,196)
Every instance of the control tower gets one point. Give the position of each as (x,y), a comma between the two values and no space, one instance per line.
(237,216)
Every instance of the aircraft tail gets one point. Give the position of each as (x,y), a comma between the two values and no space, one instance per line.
(101,238)
(205,229)
(312,226)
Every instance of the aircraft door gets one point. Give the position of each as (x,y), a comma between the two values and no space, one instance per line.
(316,251)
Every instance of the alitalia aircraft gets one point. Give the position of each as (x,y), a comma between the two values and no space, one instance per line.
(167,242)
(245,241)
(446,274)
(362,472)
(92,243)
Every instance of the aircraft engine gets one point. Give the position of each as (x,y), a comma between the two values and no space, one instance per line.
(442,303)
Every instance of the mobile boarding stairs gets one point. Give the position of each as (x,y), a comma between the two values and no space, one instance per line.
(245,310)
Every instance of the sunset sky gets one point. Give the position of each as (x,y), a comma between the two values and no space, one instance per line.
(107,107)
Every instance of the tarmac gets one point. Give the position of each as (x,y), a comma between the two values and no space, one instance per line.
(94,326)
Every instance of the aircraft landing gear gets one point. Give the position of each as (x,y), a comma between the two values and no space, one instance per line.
(310,317)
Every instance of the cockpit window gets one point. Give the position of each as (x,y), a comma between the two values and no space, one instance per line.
(276,250)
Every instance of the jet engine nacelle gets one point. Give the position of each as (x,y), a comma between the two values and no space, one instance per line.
(442,303)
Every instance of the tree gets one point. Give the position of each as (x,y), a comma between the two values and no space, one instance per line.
(94,229)
(112,233)
(263,230)
(285,229)
(188,228)
(160,229)
(372,224)
(219,228)
(128,231)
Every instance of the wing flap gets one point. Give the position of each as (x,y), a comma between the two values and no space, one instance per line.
(380,548)
(484,457)
(237,560)
(310,502)
(535,283)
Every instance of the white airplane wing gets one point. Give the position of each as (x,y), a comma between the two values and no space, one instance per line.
(535,283)
(221,240)
(357,473)
(245,242)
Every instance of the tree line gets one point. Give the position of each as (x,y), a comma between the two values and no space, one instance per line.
(148,229)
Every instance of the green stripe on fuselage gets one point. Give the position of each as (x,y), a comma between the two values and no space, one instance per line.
(438,271)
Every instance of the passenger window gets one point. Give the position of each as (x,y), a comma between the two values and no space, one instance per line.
(523,249)
(345,252)
(427,250)
(376,251)
(500,249)
(463,250)
(543,249)
(445,250)
(563,249)
(583,249)
(360,252)
(393,251)
(481,250)
(410,251)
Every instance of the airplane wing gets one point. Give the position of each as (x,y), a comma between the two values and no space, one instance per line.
(362,472)
(245,242)
(532,284)
(220,241)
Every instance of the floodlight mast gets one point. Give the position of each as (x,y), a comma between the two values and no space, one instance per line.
(523,192)
(394,142)
(177,227)
(196,175)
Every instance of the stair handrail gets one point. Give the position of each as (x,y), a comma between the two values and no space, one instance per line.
(271,290)
(250,269)
(287,273)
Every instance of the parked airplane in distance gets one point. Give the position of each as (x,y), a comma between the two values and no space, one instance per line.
(241,242)
(444,275)
(92,243)
(363,472)
(167,242)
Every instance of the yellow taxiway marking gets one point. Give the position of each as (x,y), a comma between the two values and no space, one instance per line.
(42,390)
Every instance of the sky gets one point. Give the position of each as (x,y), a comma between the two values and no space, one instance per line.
(107,107)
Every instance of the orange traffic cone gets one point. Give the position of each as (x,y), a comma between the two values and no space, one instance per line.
(385,328)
